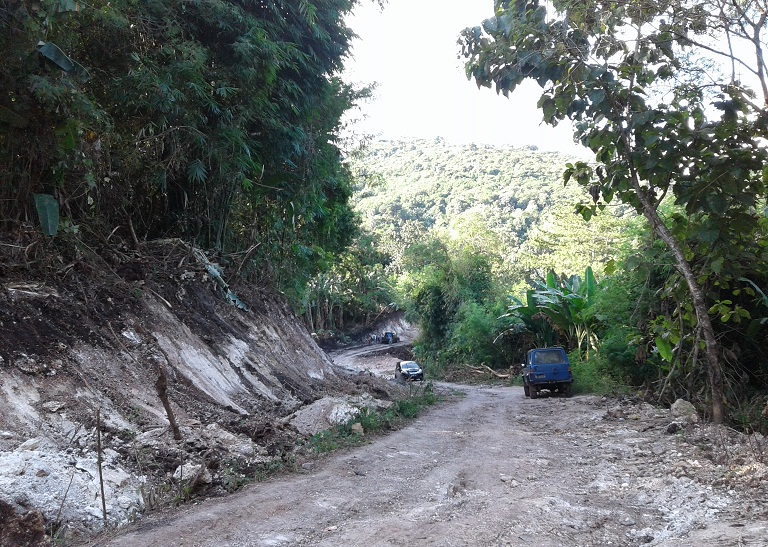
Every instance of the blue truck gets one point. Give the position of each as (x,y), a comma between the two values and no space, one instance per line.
(547,368)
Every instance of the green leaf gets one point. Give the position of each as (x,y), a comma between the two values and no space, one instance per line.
(551,279)
(665,350)
(548,107)
(641,118)
(597,96)
(67,5)
(48,213)
(196,171)
(589,286)
(717,203)
(717,265)
(650,138)
(51,51)
(66,135)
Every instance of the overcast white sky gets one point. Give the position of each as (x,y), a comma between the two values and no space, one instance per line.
(410,50)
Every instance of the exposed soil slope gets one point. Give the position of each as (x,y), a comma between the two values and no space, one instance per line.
(85,364)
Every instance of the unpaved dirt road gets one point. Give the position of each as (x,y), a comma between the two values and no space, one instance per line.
(494,468)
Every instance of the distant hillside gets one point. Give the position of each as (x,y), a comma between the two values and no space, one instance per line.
(406,186)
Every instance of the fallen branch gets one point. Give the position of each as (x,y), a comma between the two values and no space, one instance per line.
(484,369)
(161,385)
(161,298)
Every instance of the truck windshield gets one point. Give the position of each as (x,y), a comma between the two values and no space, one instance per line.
(552,357)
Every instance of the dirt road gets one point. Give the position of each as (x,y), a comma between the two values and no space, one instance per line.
(495,468)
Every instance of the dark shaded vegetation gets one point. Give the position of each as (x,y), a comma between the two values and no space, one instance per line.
(215,122)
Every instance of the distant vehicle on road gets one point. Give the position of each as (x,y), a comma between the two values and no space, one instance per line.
(409,370)
(547,368)
(389,338)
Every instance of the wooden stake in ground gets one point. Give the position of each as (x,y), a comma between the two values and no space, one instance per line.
(98,463)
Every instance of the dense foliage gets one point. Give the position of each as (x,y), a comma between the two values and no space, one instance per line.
(629,77)
(465,227)
(504,200)
(606,289)
(213,121)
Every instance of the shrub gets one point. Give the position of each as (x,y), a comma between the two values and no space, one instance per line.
(342,436)
(590,376)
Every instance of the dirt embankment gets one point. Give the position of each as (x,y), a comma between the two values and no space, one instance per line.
(84,371)
(490,467)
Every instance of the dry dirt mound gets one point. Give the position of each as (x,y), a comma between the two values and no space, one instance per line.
(88,357)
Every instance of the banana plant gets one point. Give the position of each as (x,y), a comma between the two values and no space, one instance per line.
(565,301)
(530,319)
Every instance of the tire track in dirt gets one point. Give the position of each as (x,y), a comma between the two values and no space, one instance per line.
(487,468)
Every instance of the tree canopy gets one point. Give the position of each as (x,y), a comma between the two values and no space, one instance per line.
(214,121)
(489,197)
(629,77)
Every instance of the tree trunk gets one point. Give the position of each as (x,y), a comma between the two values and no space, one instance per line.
(714,371)
(310,319)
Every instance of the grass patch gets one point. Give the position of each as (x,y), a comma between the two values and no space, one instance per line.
(371,422)
(590,376)
(515,380)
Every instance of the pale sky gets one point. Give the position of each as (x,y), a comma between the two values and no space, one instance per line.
(410,50)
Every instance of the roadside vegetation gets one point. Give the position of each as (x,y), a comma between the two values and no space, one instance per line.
(670,122)
(372,422)
(605,288)
(650,264)
(213,122)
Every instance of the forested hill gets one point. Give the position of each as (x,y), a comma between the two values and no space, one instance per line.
(433,183)
(510,202)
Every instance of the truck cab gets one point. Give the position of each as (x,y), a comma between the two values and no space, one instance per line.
(390,338)
(547,368)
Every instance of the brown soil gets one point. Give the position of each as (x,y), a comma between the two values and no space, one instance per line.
(83,344)
(21,531)
(489,467)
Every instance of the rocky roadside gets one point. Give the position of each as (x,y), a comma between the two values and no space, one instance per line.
(495,468)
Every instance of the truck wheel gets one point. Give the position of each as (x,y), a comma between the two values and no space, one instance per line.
(527,390)
(534,392)
(568,390)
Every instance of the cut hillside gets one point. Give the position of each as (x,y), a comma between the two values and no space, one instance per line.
(87,356)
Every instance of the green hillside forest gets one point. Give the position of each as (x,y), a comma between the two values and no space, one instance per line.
(488,251)
(218,124)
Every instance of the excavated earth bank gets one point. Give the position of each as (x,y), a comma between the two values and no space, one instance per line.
(84,355)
